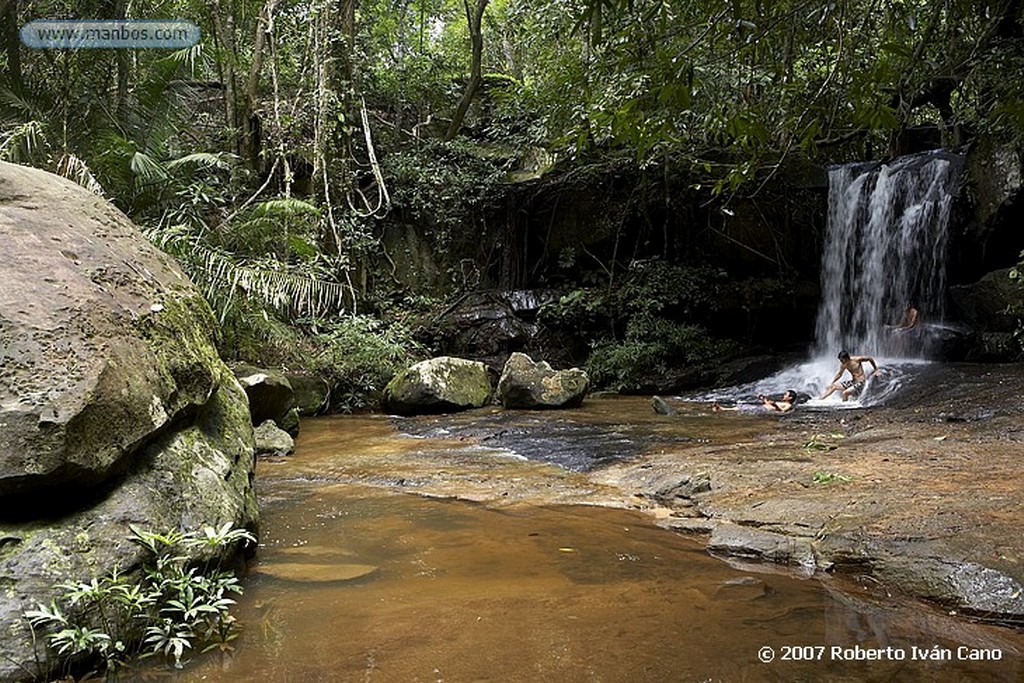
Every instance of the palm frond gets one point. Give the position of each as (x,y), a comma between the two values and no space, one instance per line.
(23,142)
(222,278)
(191,57)
(285,207)
(146,169)
(19,104)
(221,160)
(76,169)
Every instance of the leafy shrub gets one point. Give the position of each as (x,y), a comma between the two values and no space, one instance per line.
(643,327)
(358,356)
(169,606)
(651,349)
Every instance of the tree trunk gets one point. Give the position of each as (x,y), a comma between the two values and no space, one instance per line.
(344,47)
(252,130)
(12,42)
(122,57)
(474,16)
(224,27)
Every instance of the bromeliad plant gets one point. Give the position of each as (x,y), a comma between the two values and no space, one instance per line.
(169,605)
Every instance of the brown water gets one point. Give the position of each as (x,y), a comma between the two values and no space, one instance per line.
(512,591)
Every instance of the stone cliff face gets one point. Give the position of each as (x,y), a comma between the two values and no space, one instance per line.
(114,406)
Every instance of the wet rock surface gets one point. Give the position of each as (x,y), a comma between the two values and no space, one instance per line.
(922,495)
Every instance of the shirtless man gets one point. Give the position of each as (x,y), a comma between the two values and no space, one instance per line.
(782,405)
(853,365)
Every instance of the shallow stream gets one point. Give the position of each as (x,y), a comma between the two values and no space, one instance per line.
(360,579)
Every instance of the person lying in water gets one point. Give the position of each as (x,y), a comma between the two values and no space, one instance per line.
(781,405)
(858,378)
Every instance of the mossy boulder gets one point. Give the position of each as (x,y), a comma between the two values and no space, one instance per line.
(311,394)
(986,305)
(526,384)
(115,408)
(439,385)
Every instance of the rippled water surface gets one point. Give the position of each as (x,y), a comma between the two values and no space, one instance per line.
(451,590)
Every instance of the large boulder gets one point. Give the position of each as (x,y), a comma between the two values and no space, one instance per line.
(114,406)
(439,385)
(311,394)
(526,384)
(992,236)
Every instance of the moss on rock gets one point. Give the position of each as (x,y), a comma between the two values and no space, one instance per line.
(439,385)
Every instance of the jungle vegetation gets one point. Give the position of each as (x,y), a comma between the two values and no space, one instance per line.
(272,156)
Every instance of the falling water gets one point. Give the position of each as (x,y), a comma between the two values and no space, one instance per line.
(885,249)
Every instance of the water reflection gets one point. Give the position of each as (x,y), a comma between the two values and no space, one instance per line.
(463,592)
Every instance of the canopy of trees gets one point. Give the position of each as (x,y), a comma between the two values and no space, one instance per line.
(282,84)
(269,155)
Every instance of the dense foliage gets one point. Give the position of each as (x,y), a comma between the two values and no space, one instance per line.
(631,325)
(273,157)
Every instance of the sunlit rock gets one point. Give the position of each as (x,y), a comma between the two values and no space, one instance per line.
(272,440)
(439,385)
(526,384)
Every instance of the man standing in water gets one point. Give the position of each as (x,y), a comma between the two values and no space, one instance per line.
(853,365)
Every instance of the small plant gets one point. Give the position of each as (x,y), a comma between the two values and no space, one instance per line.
(823,442)
(822,477)
(169,606)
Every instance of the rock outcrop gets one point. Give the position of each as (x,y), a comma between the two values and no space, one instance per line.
(114,406)
(991,235)
(271,440)
(984,304)
(988,306)
(526,384)
(271,397)
(439,385)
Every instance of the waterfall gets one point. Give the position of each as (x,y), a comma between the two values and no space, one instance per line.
(885,249)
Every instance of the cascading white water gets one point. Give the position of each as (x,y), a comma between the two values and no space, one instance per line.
(885,249)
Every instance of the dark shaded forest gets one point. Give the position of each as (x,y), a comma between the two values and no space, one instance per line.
(637,185)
